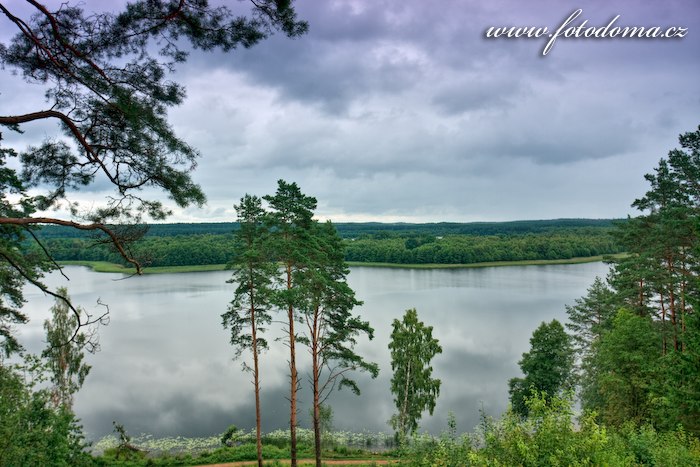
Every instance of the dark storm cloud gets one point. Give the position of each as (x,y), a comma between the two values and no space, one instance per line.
(357,49)
(408,87)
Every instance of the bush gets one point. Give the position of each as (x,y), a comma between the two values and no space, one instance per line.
(672,448)
(32,431)
(547,437)
(447,450)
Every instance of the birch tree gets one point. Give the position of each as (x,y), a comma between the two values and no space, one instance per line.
(64,354)
(415,390)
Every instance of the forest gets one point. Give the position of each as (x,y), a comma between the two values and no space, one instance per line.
(442,243)
(349,230)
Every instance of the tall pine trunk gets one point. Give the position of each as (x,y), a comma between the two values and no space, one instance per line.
(672,301)
(258,431)
(684,283)
(292,378)
(663,324)
(256,376)
(316,370)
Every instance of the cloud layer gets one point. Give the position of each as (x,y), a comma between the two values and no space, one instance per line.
(404,111)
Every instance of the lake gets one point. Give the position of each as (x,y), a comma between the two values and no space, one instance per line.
(165,364)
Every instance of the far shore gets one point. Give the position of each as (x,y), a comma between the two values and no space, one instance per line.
(103,266)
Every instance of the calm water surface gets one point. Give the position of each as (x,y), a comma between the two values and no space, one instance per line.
(165,363)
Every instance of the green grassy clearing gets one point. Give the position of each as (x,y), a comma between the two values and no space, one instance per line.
(104,266)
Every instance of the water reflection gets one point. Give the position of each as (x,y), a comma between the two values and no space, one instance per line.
(165,366)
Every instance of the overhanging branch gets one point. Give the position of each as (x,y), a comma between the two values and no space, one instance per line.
(24,221)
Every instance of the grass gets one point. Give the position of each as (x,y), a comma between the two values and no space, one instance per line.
(103,266)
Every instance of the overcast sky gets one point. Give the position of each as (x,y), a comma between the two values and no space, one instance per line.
(402,110)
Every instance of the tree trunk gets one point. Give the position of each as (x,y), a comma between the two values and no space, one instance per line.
(292,378)
(256,377)
(674,322)
(672,302)
(663,324)
(641,296)
(684,283)
(316,371)
(404,409)
(258,431)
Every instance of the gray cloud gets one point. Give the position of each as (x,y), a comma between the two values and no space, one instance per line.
(403,110)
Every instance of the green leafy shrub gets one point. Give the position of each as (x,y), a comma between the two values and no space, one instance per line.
(447,450)
(32,430)
(547,437)
(671,448)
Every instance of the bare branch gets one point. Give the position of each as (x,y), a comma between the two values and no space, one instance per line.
(44,289)
(24,221)
(48,255)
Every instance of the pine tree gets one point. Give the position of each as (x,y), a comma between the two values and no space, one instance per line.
(292,243)
(590,318)
(644,368)
(663,244)
(332,329)
(254,275)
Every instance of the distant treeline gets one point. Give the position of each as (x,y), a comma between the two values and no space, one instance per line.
(363,229)
(466,249)
(439,243)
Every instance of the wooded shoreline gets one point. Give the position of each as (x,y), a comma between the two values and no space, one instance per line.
(104,266)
